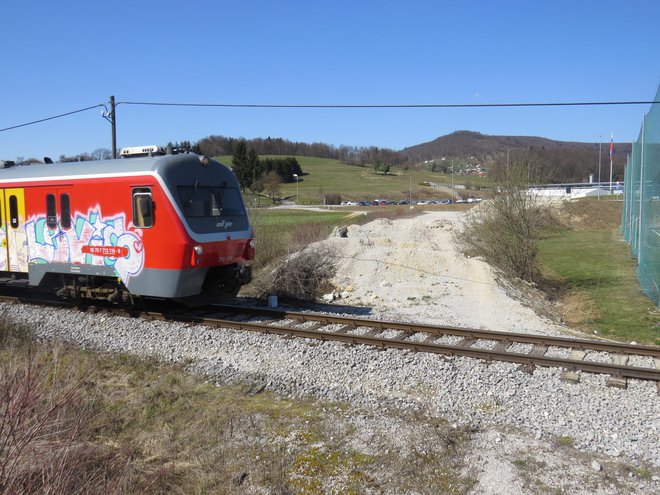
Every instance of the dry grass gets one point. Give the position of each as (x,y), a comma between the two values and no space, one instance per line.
(76,422)
(590,214)
(47,420)
(578,310)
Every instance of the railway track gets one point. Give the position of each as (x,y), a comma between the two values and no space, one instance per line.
(620,361)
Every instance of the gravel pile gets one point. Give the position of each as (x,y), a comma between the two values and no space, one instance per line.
(622,424)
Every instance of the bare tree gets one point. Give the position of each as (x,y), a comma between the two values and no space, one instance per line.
(505,230)
(101,154)
(271,184)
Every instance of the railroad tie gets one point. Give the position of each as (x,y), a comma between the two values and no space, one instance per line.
(466,342)
(502,346)
(617,380)
(345,329)
(372,332)
(538,350)
(571,375)
(316,326)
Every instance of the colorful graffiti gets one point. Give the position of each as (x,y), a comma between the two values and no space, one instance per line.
(3,248)
(91,240)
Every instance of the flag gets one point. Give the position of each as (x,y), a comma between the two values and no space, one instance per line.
(612,149)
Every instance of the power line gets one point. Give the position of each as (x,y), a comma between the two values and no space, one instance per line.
(342,106)
(394,105)
(51,118)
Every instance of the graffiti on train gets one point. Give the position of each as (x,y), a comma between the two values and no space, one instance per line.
(91,240)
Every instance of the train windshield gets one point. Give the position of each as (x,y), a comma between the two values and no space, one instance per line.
(211,209)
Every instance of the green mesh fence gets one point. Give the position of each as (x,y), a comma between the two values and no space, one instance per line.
(640,221)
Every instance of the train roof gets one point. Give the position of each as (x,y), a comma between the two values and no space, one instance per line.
(159,165)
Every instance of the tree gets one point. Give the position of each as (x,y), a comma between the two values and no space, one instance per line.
(240,165)
(101,154)
(506,229)
(254,165)
(271,184)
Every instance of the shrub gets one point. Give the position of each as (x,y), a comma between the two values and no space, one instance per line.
(505,230)
(304,275)
(46,423)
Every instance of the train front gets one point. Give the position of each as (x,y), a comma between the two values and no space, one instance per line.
(221,245)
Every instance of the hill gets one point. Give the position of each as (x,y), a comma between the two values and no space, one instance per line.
(566,161)
(357,183)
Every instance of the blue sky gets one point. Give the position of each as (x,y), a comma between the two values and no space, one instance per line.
(63,56)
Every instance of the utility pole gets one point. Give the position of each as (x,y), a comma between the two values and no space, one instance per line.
(113,124)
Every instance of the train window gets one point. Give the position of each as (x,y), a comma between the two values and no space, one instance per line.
(213,208)
(143,208)
(13,212)
(65,211)
(51,212)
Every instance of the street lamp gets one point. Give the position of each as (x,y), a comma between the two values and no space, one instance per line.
(296,176)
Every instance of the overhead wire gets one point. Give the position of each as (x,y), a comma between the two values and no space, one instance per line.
(339,106)
(393,105)
(52,118)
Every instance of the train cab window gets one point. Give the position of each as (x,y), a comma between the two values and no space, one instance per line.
(211,209)
(13,212)
(51,212)
(143,208)
(65,211)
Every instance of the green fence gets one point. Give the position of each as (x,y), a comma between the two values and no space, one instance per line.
(640,221)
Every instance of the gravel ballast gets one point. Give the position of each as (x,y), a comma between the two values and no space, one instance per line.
(410,283)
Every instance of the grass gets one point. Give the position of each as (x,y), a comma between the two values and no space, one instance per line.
(592,270)
(122,424)
(356,183)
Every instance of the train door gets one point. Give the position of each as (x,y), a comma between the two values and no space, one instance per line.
(59,222)
(4,266)
(15,247)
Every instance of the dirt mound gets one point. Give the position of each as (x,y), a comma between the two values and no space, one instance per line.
(411,269)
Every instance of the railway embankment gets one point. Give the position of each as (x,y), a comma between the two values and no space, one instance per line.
(523,424)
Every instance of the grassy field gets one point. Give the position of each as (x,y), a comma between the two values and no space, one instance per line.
(591,268)
(323,176)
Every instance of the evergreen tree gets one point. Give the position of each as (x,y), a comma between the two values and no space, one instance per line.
(254,166)
(241,166)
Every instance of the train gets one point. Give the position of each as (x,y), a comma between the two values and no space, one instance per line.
(147,225)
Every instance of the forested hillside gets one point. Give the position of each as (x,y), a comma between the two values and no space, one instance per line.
(564,161)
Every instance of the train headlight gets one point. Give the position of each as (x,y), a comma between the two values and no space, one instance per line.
(199,250)
(253,243)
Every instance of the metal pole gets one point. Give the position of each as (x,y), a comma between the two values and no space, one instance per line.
(600,146)
(611,160)
(641,195)
(410,193)
(631,172)
(452,178)
(113,124)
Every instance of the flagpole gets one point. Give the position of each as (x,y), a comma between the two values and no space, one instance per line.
(600,144)
(611,159)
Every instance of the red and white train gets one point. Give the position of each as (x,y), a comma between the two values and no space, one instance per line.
(172,226)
